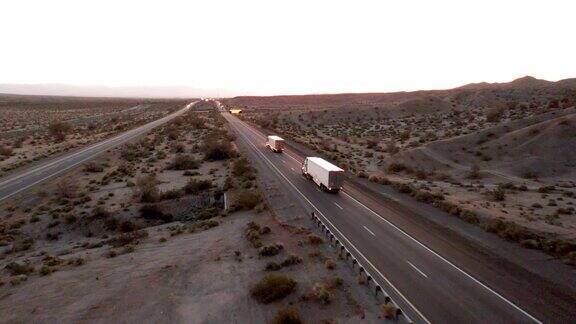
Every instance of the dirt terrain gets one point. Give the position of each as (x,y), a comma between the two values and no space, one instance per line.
(171,227)
(496,155)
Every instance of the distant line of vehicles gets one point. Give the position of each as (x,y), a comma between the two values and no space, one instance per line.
(326,175)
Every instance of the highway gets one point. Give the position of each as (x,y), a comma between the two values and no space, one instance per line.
(431,278)
(25,179)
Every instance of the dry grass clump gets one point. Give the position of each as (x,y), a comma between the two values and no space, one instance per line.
(315,239)
(128,238)
(147,189)
(154,212)
(59,130)
(292,259)
(15,268)
(271,250)
(5,151)
(288,315)
(321,293)
(183,162)
(273,287)
(389,311)
(195,186)
(245,199)
(254,232)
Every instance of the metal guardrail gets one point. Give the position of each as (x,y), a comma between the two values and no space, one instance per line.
(343,250)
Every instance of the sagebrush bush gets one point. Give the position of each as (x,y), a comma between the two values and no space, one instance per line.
(245,199)
(195,186)
(154,212)
(273,287)
(147,189)
(287,316)
(183,162)
(270,250)
(315,239)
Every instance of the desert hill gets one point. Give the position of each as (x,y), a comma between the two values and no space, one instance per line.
(539,146)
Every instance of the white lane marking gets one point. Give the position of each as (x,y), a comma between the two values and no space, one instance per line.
(60,171)
(439,256)
(416,268)
(369,231)
(338,206)
(447,261)
(335,228)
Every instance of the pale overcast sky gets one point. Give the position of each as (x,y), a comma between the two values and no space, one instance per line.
(286,47)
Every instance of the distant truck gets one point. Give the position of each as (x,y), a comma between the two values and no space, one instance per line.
(275,143)
(325,174)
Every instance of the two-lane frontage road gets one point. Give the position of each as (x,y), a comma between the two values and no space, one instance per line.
(20,181)
(426,285)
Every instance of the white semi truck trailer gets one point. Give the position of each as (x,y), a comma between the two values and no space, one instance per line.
(325,174)
(275,143)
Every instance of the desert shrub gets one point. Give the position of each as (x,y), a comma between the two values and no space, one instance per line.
(127,226)
(270,250)
(100,212)
(66,188)
(245,199)
(546,189)
(494,114)
(321,293)
(287,316)
(292,259)
(45,270)
(469,216)
(337,281)
(253,234)
(128,238)
(330,264)
(427,197)
(5,151)
(273,266)
(171,194)
(272,287)
(15,268)
(315,239)
(59,130)
(389,311)
(403,188)
(183,162)
(241,167)
(93,167)
(147,189)
(154,212)
(508,230)
(195,186)
(396,168)
(530,175)
(474,172)
(497,194)
(216,150)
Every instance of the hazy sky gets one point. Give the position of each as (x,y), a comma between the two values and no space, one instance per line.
(282,47)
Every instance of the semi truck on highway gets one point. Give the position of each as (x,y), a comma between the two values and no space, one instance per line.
(325,174)
(275,143)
